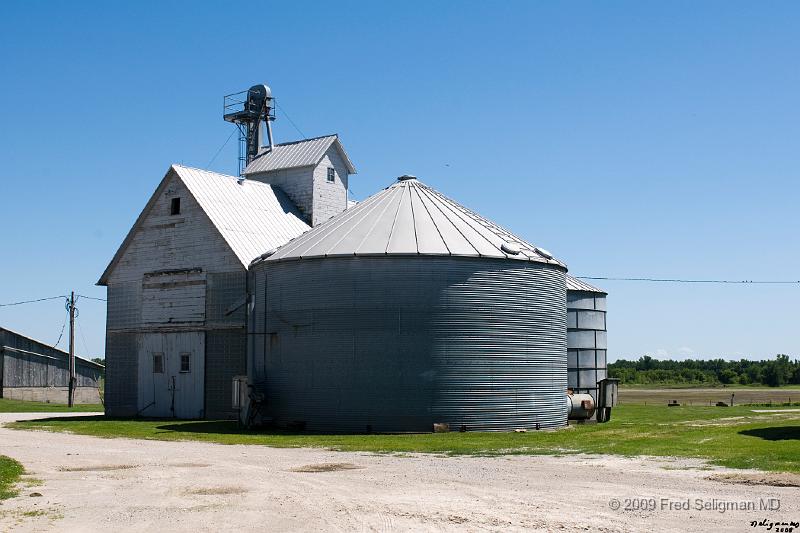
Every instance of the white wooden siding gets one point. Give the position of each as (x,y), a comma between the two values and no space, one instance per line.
(171,242)
(297,183)
(174,298)
(330,199)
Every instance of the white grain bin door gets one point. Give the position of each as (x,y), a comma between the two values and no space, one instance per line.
(173,386)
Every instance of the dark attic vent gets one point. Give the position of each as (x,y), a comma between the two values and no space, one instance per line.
(175,206)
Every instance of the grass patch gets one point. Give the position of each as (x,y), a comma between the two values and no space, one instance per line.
(10,472)
(734,437)
(20,406)
(719,386)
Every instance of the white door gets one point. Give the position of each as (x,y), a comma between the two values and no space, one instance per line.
(171,374)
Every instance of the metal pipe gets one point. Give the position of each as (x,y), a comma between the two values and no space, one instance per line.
(269,134)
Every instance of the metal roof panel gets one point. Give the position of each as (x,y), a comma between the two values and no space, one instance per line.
(307,152)
(409,218)
(252,217)
(575,284)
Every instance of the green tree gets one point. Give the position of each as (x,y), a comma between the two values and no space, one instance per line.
(778,372)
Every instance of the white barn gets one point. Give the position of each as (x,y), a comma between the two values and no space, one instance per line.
(175,330)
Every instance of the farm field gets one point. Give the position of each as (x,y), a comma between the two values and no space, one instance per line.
(636,395)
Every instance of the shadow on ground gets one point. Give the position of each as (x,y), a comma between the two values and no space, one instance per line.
(774,433)
(227,427)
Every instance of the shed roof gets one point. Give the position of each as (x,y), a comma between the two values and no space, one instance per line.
(296,154)
(575,284)
(251,216)
(410,218)
(51,349)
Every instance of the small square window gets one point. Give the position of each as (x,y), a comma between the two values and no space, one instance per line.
(186,362)
(175,206)
(158,363)
(331,175)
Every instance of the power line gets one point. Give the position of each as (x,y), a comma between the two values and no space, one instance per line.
(596,278)
(723,281)
(33,301)
(90,298)
(303,135)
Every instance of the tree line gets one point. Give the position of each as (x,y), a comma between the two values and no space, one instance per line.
(648,371)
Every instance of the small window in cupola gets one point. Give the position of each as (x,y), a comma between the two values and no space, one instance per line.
(331,175)
(175,206)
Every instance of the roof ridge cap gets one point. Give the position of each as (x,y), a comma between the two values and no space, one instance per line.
(335,135)
(177,165)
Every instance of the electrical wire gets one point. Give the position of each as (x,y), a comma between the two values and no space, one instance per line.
(89,298)
(32,301)
(723,281)
(220,149)
(64,325)
(303,135)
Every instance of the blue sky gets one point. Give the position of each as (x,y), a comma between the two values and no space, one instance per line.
(631,139)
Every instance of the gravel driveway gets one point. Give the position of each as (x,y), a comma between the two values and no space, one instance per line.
(92,484)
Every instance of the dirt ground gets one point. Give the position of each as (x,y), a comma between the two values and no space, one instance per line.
(708,396)
(92,484)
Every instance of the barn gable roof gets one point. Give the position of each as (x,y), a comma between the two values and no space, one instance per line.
(250,216)
(308,152)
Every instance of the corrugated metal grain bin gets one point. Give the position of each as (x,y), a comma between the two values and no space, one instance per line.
(586,336)
(405,311)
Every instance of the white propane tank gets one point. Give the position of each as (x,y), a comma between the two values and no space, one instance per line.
(580,406)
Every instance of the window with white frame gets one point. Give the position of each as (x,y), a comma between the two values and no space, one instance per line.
(331,175)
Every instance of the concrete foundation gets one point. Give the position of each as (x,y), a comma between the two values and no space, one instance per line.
(83,395)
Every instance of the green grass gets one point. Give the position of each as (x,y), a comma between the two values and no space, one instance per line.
(720,386)
(10,472)
(734,436)
(19,406)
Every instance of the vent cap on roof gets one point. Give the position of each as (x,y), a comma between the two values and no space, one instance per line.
(511,248)
(406,177)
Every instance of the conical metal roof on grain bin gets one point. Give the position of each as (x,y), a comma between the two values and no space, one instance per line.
(410,218)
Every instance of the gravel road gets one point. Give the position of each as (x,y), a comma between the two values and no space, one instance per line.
(92,484)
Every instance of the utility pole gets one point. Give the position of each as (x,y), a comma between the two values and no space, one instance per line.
(71,398)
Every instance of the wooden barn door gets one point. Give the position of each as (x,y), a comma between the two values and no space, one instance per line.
(171,374)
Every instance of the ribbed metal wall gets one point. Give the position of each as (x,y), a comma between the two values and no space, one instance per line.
(225,348)
(586,340)
(225,359)
(398,343)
